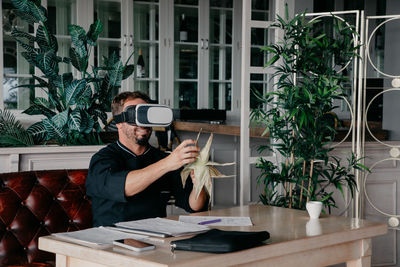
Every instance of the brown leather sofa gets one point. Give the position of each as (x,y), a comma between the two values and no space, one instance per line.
(38,203)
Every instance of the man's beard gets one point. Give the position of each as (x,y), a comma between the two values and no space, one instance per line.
(144,141)
(140,140)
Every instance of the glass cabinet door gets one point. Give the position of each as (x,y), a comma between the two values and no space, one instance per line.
(186,43)
(109,13)
(109,41)
(260,37)
(62,13)
(146,42)
(16,70)
(220,46)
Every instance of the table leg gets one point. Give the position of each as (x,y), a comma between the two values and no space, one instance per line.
(365,259)
(61,260)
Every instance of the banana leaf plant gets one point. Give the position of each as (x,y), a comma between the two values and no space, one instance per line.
(298,114)
(75,104)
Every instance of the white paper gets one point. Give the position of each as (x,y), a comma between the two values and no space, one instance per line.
(224,220)
(98,237)
(163,226)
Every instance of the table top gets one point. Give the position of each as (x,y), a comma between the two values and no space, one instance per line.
(291,231)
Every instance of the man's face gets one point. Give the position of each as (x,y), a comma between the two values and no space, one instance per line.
(139,135)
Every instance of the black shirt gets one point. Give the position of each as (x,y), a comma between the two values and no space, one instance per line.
(105,185)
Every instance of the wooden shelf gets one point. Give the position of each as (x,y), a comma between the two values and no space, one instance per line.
(216,128)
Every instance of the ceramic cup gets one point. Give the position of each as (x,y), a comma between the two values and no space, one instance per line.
(314,209)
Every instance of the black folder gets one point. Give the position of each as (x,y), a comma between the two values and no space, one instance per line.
(219,241)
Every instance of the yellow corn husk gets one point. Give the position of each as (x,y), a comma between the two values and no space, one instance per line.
(204,170)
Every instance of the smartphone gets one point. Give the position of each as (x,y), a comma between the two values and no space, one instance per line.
(134,244)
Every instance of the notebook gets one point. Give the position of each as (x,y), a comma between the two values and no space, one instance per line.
(162,227)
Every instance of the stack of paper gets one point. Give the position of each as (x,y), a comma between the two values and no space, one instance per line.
(98,237)
(217,220)
(162,227)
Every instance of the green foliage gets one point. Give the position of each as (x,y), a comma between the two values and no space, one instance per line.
(299,116)
(12,134)
(74,106)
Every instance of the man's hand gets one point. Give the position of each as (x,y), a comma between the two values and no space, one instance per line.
(183,154)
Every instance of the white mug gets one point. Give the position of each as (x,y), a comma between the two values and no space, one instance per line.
(314,209)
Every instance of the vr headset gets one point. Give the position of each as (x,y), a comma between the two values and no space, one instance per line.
(146,115)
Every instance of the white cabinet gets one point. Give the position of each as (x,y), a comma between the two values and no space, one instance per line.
(191,72)
(46,158)
(200,71)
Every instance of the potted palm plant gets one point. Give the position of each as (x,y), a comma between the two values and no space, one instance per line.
(299,114)
(75,104)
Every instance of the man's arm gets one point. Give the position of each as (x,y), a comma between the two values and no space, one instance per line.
(138,180)
(197,204)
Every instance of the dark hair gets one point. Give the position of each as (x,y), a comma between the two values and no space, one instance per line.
(120,99)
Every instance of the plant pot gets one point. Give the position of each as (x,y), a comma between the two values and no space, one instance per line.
(314,209)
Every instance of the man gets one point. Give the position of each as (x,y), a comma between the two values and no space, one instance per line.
(126,179)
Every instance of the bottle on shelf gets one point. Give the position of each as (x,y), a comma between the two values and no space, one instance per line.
(183,29)
(140,70)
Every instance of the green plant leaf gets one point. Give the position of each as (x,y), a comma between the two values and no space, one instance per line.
(29,7)
(127,71)
(272,61)
(79,62)
(42,102)
(83,97)
(20,34)
(26,17)
(101,114)
(46,40)
(95,29)
(73,89)
(11,131)
(38,132)
(86,122)
(36,109)
(60,119)
(53,131)
(74,122)
(47,63)
(78,38)
(78,35)
(115,74)
(30,57)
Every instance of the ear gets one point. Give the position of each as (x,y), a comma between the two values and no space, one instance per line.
(119,126)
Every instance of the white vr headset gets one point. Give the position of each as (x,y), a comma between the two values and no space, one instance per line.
(146,115)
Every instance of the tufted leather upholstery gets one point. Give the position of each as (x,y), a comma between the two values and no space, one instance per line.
(38,203)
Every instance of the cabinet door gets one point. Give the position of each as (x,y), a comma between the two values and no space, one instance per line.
(203,60)
(186,54)
(146,39)
(109,41)
(220,53)
(260,37)
(15,69)
(62,14)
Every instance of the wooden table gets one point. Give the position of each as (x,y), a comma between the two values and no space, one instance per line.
(295,241)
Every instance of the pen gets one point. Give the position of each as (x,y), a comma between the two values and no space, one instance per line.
(210,221)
